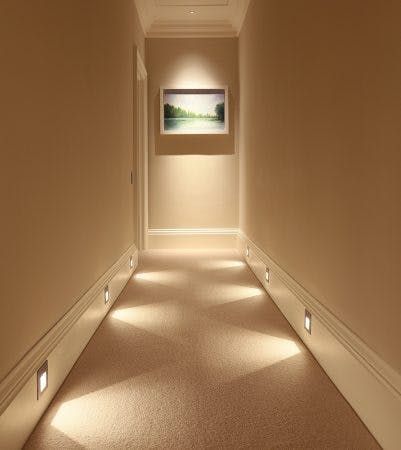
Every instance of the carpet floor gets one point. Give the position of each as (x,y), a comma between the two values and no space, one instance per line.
(195,354)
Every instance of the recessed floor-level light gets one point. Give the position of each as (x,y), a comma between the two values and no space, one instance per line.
(42,379)
(106,294)
(267,275)
(308,321)
(131,262)
(247,251)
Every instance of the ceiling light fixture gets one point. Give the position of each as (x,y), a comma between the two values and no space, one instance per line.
(191,11)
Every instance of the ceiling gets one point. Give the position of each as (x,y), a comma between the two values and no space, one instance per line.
(191,18)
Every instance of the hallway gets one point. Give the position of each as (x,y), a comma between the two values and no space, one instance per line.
(200,234)
(194,354)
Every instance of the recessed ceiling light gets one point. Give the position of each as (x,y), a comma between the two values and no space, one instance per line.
(192,11)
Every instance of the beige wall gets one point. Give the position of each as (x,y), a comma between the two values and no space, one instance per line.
(66,145)
(320,151)
(193,180)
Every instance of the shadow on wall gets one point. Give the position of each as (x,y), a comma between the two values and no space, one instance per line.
(194,144)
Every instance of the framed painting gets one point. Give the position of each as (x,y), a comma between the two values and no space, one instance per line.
(194,111)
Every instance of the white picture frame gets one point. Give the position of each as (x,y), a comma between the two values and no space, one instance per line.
(189,113)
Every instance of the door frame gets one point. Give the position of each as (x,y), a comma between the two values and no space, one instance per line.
(141,144)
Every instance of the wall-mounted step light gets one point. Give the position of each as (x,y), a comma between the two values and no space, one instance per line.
(106,294)
(131,262)
(42,379)
(267,275)
(247,251)
(308,321)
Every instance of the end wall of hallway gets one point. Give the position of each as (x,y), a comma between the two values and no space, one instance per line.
(193,179)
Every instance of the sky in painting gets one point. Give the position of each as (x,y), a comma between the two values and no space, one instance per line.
(197,103)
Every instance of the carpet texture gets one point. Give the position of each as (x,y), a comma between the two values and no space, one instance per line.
(194,354)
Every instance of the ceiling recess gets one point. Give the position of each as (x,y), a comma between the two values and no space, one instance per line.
(192,2)
(191,18)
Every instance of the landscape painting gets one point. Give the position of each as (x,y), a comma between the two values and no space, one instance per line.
(193,111)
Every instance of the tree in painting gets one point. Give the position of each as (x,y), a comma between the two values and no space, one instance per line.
(175,112)
(219,110)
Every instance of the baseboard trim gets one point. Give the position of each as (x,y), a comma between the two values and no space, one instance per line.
(192,231)
(17,388)
(169,238)
(369,384)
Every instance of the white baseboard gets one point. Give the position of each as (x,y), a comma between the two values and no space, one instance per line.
(61,346)
(368,383)
(170,238)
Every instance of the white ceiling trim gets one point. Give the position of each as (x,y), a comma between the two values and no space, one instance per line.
(180,29)
(172,18)
(241,14)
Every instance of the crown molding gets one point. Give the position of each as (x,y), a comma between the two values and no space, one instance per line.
(243,8)
(167,29)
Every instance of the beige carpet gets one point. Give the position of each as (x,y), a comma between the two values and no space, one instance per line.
(194,354)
